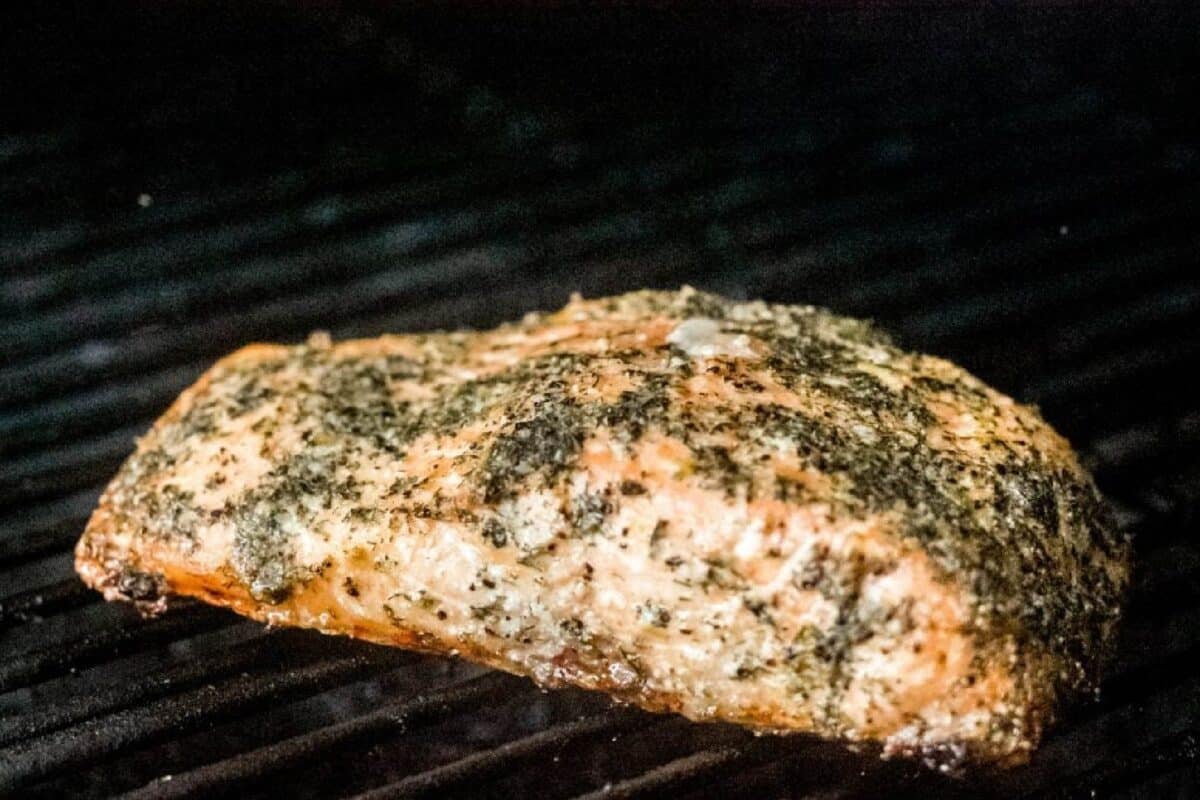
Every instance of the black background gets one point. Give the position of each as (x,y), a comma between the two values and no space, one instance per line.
(1012,186)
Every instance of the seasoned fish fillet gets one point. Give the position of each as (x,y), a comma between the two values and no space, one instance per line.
(761,514)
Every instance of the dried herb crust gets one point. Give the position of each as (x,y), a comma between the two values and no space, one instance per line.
(1011,517)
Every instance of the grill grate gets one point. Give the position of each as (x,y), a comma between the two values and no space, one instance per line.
(1015,190)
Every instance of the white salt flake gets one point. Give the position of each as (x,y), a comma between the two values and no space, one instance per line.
(701,337)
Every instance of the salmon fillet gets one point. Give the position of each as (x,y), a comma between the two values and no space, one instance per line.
(762,514)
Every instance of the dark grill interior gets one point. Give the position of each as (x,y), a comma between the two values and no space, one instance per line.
(1015,189)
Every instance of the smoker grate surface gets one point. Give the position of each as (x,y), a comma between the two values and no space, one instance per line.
(1012,188)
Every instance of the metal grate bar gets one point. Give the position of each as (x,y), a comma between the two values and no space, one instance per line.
(1094,744)
(25,669)
(391,198)
(978,314)
(590,175)
(309,265)
(439,223)
(1117,369)
(24,522)
(984,202)
(1158,638)
(51,527)
(434,156)
(673,777)
(1126,767)
(272,205)
(34,603)
(199,667)
(1102,400)
(29,761)
(256,277)
(104,153)
(982,211)
(62,470)
(1165,579)
(371,245)
(38,252)
(376,250)
(22,468)
(896,292)
(589,152)
(1133,679)
(997,311)
(226,776)
(501,759)
(88,410)
(1145,315)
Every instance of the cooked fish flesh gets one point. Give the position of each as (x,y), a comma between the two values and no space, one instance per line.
(755,513)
